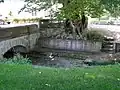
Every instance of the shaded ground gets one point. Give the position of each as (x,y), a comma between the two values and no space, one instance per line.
(73,59)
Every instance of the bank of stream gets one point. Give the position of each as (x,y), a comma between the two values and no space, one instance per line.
(68,60)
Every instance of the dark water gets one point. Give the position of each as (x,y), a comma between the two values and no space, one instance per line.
(56,61)
(45,60)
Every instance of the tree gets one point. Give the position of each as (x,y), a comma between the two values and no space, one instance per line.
(29,8)
(16,20)
(1,1)
(76,11)
(10,13)
(72,9)
(81,5)
(112,6)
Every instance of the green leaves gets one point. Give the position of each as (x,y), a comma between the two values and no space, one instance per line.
(112,6)
(73,8)
(1,1)
(77,7)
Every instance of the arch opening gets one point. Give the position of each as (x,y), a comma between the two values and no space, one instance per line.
(9,54)
(15,50)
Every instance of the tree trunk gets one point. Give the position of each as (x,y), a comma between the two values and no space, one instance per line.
(78,27)
(84,22)
(73,29)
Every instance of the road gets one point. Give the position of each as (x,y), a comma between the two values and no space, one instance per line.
(111,30)
(114,28)
(103,27)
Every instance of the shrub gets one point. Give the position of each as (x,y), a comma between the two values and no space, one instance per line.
(93,35)
(16,60)
(23,20)
(16,20)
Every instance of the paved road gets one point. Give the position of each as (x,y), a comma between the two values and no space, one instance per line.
(103,27)
(114,28)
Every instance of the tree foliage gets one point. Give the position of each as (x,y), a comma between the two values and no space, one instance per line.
(94,8)
(72,8)
(112,6)
(75,10)
(10,13)
(1,1)
(76,7)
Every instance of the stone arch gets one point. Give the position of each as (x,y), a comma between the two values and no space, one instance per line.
(13,50)
(7,45)
(6,48)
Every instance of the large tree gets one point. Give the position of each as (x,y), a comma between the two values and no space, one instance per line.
(77,10)
(72,9)
(1,1)
(95,7)
(71,6)
(112,6)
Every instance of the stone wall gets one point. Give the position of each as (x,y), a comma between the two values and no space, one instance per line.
(74,45)
(27,41)
(17,37)
(50,29)
(50,32)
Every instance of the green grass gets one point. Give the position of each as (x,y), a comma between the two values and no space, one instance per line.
(25,77)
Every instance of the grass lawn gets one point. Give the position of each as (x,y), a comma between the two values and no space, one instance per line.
(25,77)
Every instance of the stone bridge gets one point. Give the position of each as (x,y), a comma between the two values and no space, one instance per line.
(20,39)
(23,38)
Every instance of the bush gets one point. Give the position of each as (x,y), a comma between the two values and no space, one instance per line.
(16,20)
(93,35)
(16,60)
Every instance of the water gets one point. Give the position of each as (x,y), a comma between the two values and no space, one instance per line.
(43,60)
(68,62)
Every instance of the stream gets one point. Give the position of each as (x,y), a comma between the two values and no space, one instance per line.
(49,60)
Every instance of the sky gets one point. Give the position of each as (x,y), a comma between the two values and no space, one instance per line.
(15,6)
(10,5)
